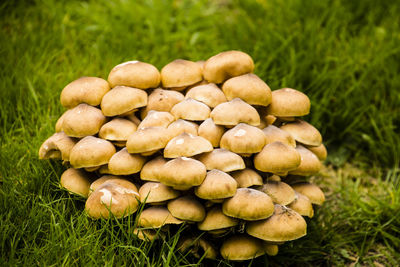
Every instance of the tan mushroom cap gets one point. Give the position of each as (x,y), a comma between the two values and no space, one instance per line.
(273,133)
(227,64)
(194,244)
(250,88)
(134,74)
(243,138)
(248,204)
(303,132)
(186,145)
(162,100)
(59,123)
(319,151)
(83,120)
(284,225)
(242,247)
(216,185)
(153,192)
(156,119)
(312,191)
(287,102)
(247,177)
(182,126)
(57,146)
(210,131)
(76,182)
(234,112)
(118,129)
(277,158)
(182,173)
(156,216)
(123,163)
(89,90)
(122,99)
(209,94)
(309,165)
(215,219)
(180,73)
(119,199)
(152,169)
(271,249)
(280,192)
(147,234)
(191,110)
(148,140)
(222,159)
(132,117)
(98,182)
(302,205)
(91,152)
(187,208)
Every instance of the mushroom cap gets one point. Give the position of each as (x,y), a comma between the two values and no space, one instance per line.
(303,132)
(319,151)
(123,99)
(180,73)
(284,225)
(83,120)
(187,208)
(302,205)
(134,74)
(250,88)
(76,182)
(152,169)
(153,192)
(182,172)
(210,131)
(227,64)
(312,191)
(243,138)
(216,185)
(123,163)
(248,204)
(247,177)
(118,129)
(273,133)
(277,158)
(215,219)
(98,182)
(156,119)
(186,145)
(119,199)
(132,117)
(209,94)
(222,159)
(147,234)
(271,249)
(156,216)
(59,123)
(234,112)
(242,247)
(193,244)
(309,165)
(280,192)
(190,109)
(91,152)
(148,139)
(57,146)
(162,100)
(89,90)
(287,102)
(182,126)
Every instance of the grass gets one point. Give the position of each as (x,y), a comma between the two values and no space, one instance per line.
(344,54)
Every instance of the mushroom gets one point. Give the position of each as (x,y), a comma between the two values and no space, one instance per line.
(152,169)
(156,119)
(117,130)
(280,192)
(156,216)
(242,247)
(302,205)
(147,234)
(76,182)
(122,100)
(287,102)
(187,208)
(234,112)
(124,163)
(161,100)
(193,245)
(273,133)
(246,178)
(222,159)
(210,131)
(98,182)
(148,140)
(59,123)
(190,109)
(216,220)
(155,193)
(270,248)
(312,191)
(319,151)
(182,126)
(303,132)
(186,145)
(216,185)
(180,73)
(57,146)
(209,94)
(243,139)
(309,165)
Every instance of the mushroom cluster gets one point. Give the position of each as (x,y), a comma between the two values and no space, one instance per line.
(204,143)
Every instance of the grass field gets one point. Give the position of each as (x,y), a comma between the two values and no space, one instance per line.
(344,54)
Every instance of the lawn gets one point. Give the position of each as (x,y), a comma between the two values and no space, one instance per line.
(344,54)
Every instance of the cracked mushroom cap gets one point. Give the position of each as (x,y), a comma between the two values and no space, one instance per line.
(191,110)
(303,132)
(134,74)
(187,208)
(155,192)
(156,216)
(91,152)
(98,182)
(83,120)
(243,139)
(216,185)
(152,169)
(209,94)
(210,131)
(312,191)
(248,204)
(242,247)
(116,198)
(124,163)
(89,90)
(182,126)
(222,159)
(57,146)
(180,73)
(319,151)
(302,205)
(234,112)
(157,119)
(309,165)
(162,100)
(287,102)
(118,129)
(247,177)
(284,225)
(193,245)
(186,145)
(273,133)
(122,100)
(76,182)
(228,64)
(280,192)
(148,140)
(215,220)
(250,88)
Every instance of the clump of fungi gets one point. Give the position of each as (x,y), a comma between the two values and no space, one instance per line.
(204,143)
